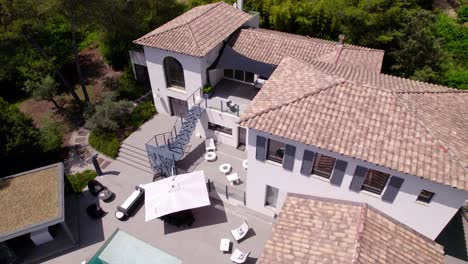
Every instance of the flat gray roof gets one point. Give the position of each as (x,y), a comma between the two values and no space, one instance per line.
(31,201)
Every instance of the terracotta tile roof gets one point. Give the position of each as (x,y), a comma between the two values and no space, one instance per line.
(197,31)
(416,128)
(271,47)
(320,230)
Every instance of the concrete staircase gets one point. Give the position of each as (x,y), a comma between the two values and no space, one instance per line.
(135,157)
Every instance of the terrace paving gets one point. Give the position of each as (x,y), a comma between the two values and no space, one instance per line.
(198,244)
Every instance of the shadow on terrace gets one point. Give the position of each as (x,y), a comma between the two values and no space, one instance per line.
(194,160)
(231,96)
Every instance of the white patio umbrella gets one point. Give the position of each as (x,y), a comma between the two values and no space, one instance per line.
(175,194)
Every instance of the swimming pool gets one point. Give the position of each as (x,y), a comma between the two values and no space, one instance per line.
(123,248)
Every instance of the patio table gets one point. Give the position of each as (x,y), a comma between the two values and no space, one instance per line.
(225,168)
(224,244)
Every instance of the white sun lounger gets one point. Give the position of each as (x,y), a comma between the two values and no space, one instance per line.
(210,145)
(239,256)
(241,231)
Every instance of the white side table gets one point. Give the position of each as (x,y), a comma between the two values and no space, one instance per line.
(210,156)
(224,245)
(225,168)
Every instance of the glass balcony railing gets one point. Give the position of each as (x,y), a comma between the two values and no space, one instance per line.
(222,105)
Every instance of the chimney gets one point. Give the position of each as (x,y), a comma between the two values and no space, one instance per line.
(341,38)
(240,4)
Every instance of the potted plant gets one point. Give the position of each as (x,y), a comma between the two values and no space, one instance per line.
(208,90)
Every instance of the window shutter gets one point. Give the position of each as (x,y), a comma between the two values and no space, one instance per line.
(358,179)
(261,148)
(307,162)
(392,189)
(338,172)
(288,160)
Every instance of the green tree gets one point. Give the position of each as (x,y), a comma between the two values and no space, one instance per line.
(419,54)
(32,22)
(108,114)
(45,89)
(51,138)
(18,135)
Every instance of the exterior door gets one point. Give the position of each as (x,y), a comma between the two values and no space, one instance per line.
(242,138)
(178,107)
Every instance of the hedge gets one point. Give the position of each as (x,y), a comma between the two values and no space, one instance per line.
(105,142)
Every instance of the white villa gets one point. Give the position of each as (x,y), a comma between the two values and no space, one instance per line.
(315,117)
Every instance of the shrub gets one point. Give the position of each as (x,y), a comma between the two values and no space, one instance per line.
(463,14)
(142,113)
(128,87)
(51,135)
(79,180)
(207,89)
(105,142)
(108,114)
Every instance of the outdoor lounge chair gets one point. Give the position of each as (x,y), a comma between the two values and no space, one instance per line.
(239,256)
(132,201)
(241,231)
(210,145)
(95,187)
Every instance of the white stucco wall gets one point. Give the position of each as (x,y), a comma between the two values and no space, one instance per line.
(223,119)
(194,74)
(428,219)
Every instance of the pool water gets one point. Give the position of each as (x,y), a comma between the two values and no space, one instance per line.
(123,248)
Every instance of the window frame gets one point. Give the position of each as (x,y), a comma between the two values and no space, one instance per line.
(319,173)
(220,128)
(244,76)
(275,158)
(170,81)
(374,189)
(419,200)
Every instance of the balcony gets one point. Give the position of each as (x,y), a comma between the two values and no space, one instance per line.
(231,96)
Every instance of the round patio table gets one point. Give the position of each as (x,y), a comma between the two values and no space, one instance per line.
(210,156)
(105,194)
(225,168)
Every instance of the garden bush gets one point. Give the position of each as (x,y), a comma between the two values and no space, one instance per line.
(128,88)
(79,180)
(105,142)
(142,113)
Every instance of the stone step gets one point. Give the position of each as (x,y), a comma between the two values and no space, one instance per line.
(135,165)
(129,156)
(131,152)
(134,148)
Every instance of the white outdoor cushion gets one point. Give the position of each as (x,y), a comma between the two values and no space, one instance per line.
(130,199)
(239,256)
(209,144)
(240,232)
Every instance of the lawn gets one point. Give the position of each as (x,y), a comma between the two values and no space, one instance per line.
(79,180)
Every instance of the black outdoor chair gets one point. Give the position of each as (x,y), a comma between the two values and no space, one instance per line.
(95,187)
(95,211)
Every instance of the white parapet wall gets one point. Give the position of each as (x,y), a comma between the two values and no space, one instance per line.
(428,219)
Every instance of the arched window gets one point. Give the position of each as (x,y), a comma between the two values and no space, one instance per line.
(174,73)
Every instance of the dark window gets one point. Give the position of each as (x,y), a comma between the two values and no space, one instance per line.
(239,75)
(275,151)
(249,77)
(174,73)
(219,128)
(323,166)
(425,196)
(271,196)
(229,73)
(375,181)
